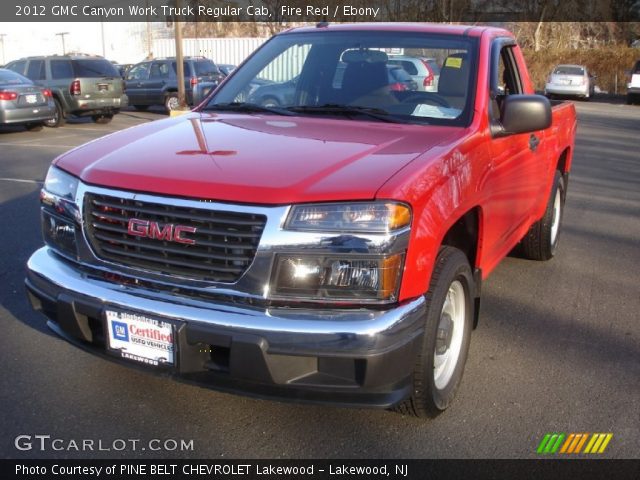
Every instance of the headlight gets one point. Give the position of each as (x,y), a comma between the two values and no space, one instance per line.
(375,217)
(60,214)
(331,277)
(61,184)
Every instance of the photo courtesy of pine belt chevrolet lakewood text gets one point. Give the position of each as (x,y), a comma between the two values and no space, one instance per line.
(326,246)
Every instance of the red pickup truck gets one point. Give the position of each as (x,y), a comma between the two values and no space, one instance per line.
(328,245)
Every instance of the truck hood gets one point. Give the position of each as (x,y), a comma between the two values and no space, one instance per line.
(263,159)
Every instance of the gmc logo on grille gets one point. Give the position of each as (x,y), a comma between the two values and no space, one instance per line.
(168,232)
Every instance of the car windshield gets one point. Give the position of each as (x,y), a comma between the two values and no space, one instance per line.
(563,70)
(637,68)
(7,77)
(335,71)
(94,68)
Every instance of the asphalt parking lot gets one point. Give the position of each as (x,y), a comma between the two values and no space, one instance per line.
(557,348)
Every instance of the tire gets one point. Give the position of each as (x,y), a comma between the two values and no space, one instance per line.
(269,102)
(58,120)
(541,241)
(171,101)
(34,127)
(142,108)
(102,119)
(435,388)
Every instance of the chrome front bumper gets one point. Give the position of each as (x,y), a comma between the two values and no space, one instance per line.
(349,356)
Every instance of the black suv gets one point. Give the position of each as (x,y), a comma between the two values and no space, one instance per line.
(81,85)
(155,82)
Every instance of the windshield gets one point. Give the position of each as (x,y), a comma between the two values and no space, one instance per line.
(563,70)
(355,70)
(94,68)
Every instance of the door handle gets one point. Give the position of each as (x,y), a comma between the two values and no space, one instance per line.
(533,142)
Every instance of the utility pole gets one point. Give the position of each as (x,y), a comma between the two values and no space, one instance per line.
(62,34)
(104,54)
(2,35)
(179,59)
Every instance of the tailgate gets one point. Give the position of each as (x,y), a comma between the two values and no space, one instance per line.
(104,87)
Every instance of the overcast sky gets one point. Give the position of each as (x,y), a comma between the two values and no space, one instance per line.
(123,42)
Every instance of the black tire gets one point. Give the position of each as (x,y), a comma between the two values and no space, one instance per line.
(34,127)
(629,99)
(170,100)
(427,399)
(58,120)
(269,102)
(142,108)
(539,243)
(102,119)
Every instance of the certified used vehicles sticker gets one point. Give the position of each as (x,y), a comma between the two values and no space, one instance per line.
(139,338)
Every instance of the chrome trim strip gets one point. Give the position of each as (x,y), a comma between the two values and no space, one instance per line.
(338,330)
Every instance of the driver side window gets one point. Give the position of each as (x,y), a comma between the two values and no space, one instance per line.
(507,80)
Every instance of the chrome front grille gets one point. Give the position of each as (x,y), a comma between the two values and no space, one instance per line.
(220,249)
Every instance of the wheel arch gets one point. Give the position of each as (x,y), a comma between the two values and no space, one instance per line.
(465,234)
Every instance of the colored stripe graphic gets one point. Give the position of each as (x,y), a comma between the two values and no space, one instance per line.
(550,443)
(572,443)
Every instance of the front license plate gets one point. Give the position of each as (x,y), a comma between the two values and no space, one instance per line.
(31,98)
(140,338)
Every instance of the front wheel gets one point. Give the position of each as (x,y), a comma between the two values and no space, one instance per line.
(58,119)
(448,324)
(541,241)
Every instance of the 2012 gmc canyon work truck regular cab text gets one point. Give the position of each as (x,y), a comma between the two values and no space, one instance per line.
(329,248)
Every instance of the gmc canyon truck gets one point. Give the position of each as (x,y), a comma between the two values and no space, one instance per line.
(330,249)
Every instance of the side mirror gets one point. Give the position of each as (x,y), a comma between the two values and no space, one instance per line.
(525,113)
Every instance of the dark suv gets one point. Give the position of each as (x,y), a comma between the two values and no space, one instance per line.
(81,85)
(155,82)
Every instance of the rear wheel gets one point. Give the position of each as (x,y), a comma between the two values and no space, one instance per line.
(102,119)
(171,102)
(541,241)
(448,324)
(58,119)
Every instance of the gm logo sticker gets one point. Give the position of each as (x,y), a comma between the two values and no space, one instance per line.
(120,331)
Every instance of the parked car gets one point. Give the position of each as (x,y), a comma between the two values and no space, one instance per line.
(276,94)
(321,251)
(425,71)
(22,102)
(570,80)
(81,85)
(633,87)
(155,82)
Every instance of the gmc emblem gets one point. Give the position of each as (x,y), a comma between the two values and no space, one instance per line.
(168,232)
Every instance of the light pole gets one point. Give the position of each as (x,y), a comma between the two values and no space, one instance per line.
(62,34)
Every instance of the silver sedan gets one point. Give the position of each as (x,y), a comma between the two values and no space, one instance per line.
(22,102)
(570,80)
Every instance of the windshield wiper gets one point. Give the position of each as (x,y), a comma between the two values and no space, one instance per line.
(349,110)
(246,108)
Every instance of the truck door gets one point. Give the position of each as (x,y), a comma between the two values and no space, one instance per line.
(517,164)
